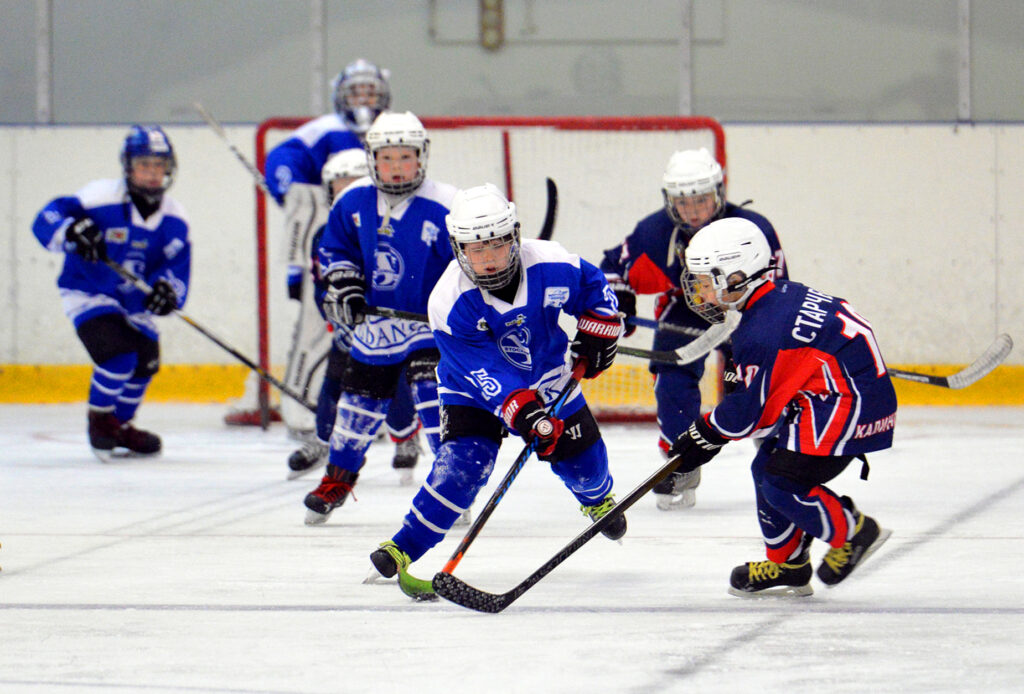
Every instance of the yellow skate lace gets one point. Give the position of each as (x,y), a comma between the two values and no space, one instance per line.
(837,557)
(599,511)
(400,557)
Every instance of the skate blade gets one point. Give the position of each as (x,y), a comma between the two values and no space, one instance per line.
(676,502)
(314,518)
(883,535)
(405,477)
(777,592)
(466,519)
(375,578)
(120,454)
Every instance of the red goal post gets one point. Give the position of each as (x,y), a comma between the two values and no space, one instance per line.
(608,172)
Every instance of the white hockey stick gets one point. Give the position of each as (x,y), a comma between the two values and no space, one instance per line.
(978,369)
(217,128)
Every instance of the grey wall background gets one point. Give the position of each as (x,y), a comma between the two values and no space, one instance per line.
(119,61)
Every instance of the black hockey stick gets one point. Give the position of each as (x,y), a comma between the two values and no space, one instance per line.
(461,593)
(978,369)
(551,213)
(141,285)
(513,472)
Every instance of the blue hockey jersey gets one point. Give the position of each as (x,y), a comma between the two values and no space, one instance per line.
(301,158)
(154,248)
(490,348)
(649,265)
(401,261)
(811,373)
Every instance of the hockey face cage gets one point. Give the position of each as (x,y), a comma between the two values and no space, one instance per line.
(397,130)
(361,93)
(694,284)
(148,141)
(508,242)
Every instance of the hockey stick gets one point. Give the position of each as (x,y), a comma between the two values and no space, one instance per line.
(513,472)
(683,355)
(461,593)
(141,285)
(551,213)
(217,128)
(978,369)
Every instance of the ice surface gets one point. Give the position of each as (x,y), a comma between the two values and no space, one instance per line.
(194,572)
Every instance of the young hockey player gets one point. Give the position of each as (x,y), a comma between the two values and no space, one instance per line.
(649,261)
(342,169)
(495,314)
(293,172)
(813,383)
(133,223)
(383,246)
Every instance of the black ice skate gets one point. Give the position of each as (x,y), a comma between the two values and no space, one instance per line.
(308,458)
(333,491)
(867,537)
(407,453)
(677,491)
(617,528)
(110,438)
(757,579)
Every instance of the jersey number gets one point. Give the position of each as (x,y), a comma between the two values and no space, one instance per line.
(854,325)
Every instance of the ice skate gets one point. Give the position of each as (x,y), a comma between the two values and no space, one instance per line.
(311,456)
(677,491)
(333,491)
(137,442)
(757,579)
(617,528)
(465,519)
(110,438)
(389,560)
(407,453)
(839,562)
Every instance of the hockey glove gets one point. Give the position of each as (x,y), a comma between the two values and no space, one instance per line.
(161,300)
(696,446)
(345,300)
(730,379)
(596,340)
(627,305)
(524,412)
(86,239)
(295,282)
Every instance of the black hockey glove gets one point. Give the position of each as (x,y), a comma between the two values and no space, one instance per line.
(161,300)
(345,300)
(597,339)
(696,446)
(524,412)
(295,282)
(86,239)
(627,305)
(730,379)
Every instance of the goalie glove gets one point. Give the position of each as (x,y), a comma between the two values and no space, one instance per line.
(345,300)
(626,297)
(524,412)
(161,299)
(295,282)
(696,446)
(86,239)
(596,341)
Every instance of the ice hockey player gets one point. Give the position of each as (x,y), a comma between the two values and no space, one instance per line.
(342,169)
(649,261)
(495,314)
(131,222)
(812,381)
(360,92)
(384,247)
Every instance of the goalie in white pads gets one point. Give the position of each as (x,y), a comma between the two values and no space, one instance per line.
(495,314)
(361,91)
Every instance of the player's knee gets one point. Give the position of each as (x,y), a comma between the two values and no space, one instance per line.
(462,467)
(148,360)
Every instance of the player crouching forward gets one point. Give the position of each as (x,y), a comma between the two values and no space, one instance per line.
(494,314)
(812,382)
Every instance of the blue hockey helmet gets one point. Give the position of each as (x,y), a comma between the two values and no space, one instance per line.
(148,141)
(361,92)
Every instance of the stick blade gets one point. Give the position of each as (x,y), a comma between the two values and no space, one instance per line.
(983,365)
(457,591)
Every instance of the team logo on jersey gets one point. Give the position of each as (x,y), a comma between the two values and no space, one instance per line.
(389,268)
(515,347)
(429,233)
(556,296)
(482,326)
(116,235)
(517,321)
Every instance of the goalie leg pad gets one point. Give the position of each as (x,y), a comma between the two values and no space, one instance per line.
(460,471)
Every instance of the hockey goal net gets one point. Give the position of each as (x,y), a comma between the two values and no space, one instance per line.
(607,170)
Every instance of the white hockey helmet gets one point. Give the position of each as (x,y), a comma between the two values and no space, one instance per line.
(397,130)
(361,92)
(730,256)
(348,163)
(692,172)
(484,217)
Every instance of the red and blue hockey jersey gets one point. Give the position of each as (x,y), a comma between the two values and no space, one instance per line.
(811,373)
